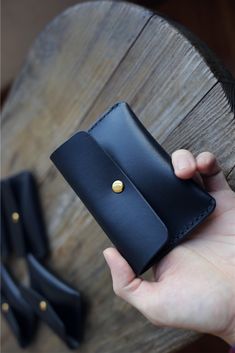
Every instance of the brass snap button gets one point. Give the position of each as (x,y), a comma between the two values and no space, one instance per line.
(5,307)
(43,305)
(15,217)
(117,186)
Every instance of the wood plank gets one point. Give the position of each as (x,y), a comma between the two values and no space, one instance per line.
(85,60)
(163,77)
(64,72)
(209,126)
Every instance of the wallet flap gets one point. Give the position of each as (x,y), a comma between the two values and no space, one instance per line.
(123,216)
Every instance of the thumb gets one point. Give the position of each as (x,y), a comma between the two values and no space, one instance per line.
(136,291)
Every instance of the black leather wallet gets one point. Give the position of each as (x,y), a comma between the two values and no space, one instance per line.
(55,302)
(22,223)
(127,182)
(23,233)
(16,309)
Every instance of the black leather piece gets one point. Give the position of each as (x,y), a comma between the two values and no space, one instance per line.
(14,235)
(28,235)
(137,159)
(25,237)
(4,241)
(179,203)
(64,313)
(20,316)
(96,171)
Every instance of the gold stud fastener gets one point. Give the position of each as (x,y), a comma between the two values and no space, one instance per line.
(15,217)
(43,305)
(117,186)
(5,307)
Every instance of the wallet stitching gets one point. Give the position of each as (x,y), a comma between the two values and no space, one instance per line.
(195,221)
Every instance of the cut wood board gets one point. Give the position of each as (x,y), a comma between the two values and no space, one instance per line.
(89,57)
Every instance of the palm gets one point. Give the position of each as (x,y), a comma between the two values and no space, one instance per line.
(190,303)
(194,285)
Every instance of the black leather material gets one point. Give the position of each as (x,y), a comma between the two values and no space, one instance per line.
(20,316)
(28,235)
(64,313)
(13,234)
(155,211)
(95,171)
(5,246)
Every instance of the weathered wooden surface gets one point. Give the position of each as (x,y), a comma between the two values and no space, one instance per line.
(88,58)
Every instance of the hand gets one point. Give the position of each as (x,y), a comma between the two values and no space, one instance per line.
(194,285)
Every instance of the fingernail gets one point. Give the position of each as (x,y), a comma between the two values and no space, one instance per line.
(182,163)
(204,159)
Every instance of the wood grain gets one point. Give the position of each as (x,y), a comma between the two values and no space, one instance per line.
(85,60)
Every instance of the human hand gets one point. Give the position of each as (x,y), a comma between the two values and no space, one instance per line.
(194,284)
